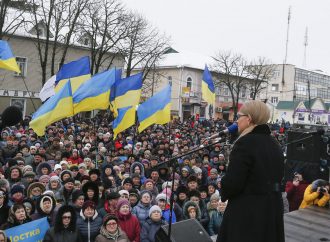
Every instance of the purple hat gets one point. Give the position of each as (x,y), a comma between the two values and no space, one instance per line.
(121,202)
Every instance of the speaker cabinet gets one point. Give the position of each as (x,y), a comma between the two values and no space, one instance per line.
(184,231)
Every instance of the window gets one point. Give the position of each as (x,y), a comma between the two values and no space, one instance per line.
(40,31)
(225,91)
(86,41)
(217,90)
(169,78)
(274,100)
(22,64)
(189,82)
(243,92)
(275,87)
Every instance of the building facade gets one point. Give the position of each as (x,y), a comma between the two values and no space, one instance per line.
(13,91)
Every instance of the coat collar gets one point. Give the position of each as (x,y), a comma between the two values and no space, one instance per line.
(261,129)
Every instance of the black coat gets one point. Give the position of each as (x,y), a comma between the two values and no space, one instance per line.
(255,209)
(62,236)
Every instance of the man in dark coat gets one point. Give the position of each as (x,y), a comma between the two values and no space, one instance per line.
(252,182)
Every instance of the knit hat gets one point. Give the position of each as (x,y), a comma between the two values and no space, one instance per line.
(215,196)
(65,172)
(29,174)
(94,171)
(213,171)
(44,178)
(87,204)
(26,168)
(149,180)
(194,193)
(161,196)
(35,184)
(109,217)
(82,165)
(123,192)
(134,192)
(54,178)
(167,191)
(121,202)
(4,184)
(185,169)
(57,166)
(113,195)
(166,184)
(153,209)
(16,189)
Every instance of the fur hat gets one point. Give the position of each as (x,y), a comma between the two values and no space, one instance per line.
(194,193)
(153,209)
(128,180)
(182,189)
(113,195)
(213,171)
(68,180)
(76,194)
(16,189)
(29,174)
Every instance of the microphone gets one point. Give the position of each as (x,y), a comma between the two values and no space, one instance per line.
(230,130)
(11,116)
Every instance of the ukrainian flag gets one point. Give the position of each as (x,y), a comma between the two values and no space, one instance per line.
(156,110)
(94,93)
(55,108)
(128,91)
(77,71)
(208,91)
(125,119)
(7,59)
(113,107)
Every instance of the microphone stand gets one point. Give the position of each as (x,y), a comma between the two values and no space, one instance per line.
(173,163)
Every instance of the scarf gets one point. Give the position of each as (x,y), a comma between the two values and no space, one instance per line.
(108,235)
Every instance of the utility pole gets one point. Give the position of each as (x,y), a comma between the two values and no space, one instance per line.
(309,98)
(286,45)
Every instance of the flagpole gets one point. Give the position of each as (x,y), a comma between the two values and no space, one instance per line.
(28,92)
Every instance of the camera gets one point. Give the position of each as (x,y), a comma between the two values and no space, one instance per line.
(323,190)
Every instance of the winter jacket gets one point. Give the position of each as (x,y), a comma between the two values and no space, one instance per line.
(130,225)
(141,212)
(295,194)
(215,222)
(149,229)
(186,213)
(89,227)
(62,236)
(313,198)
(252,187)
(166,215)
(122,237)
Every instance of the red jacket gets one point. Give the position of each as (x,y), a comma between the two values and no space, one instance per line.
(295,194)
(130,225)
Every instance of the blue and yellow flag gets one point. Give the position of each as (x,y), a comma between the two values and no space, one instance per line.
(77,71)
(125,119)
(208,91)
(128,91)
(55,108)
(113,107)
(94,93)
(7,59)
(156,110)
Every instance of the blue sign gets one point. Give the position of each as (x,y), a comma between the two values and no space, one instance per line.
(30,232)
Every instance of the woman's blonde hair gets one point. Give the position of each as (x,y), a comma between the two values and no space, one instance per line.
(257,110)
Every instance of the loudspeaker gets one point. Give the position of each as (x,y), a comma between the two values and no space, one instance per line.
(305,146)
(184,231)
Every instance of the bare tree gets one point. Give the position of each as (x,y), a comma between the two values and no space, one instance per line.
(143,48)
(54,23)
(11,16)
(104,25)
(260,71)
(231,72)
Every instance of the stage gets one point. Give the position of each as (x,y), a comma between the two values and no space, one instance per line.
(311,224)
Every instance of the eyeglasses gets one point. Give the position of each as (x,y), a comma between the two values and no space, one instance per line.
(66,217)
(112,224)
(241,115)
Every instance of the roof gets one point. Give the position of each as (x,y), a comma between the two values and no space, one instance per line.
(183,58)
(290,105)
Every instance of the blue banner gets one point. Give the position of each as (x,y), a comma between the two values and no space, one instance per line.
(30,232)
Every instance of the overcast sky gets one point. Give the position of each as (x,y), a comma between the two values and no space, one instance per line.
(250,27)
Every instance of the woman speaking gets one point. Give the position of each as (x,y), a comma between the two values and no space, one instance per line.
(252,182)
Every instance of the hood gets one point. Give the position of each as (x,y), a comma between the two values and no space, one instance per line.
(40,207)
(94,187)
(42,165)
(137,164)
(185,210)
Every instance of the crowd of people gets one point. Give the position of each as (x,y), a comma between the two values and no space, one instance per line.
(91,187)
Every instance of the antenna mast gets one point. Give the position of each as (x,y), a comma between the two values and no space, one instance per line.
(305,48)
(286,44)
